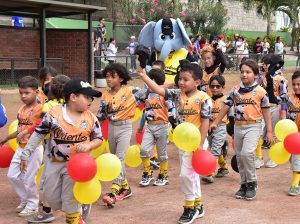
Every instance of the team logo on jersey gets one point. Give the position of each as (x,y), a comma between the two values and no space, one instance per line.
(83,125)
(123,98)
(197,101)
(254,93)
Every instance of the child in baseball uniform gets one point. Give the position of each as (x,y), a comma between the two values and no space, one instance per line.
(157,111)
(73,129)
(119,104)
(193,106)
(216,139)
(292,101)
(251,105)
(24,183)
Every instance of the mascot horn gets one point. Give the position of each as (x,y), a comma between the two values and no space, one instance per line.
(169,40)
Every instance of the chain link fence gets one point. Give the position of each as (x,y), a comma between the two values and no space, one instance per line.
(14,68)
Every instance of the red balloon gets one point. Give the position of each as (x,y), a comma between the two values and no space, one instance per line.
(203,162)
(82,167)
(141,106)
(6,155)
(139,136)
(104,128)
(292,143)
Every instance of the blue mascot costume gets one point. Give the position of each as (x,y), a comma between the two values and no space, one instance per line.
(169,40)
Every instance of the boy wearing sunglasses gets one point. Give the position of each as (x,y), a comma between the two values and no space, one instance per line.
(217,138)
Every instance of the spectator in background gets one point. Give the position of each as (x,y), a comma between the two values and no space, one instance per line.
(278,46)
(233,43)
(266,46)
(131,47)
(100,35)
(240,48)
(197,43)
(111,51)
(203,42)
(221,44)
(17,21)
(257,47)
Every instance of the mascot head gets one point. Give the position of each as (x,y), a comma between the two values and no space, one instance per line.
(165,36)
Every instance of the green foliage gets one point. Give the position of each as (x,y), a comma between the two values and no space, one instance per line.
(284,29)
(206,16)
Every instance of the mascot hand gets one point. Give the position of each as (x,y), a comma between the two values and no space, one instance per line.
(143,55)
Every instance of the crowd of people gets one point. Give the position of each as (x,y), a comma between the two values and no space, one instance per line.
(248,113)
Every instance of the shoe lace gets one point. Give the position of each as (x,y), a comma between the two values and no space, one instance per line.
(145,176)
(186,212)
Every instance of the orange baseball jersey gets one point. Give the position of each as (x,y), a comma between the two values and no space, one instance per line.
(41,97)
(248,102)
(279,83)
(191,109)
(205,80)
(122,105)
(65,134)
(157,108)
(28,117)
(293,106)
(217,104)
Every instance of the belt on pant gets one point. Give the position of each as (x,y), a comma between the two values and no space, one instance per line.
(118,123)
(157,122)
(237,122)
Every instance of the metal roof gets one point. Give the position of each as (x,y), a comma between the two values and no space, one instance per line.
(32,8)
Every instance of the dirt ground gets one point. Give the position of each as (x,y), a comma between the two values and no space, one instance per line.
(164,204)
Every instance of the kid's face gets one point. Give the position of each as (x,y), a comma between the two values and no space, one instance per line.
(187,83)
(28,95)
(82,102)
(247,76)
(215,88)
(113,80)
(208,59)
(296,85)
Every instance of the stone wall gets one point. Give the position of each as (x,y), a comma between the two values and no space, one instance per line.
(239,19)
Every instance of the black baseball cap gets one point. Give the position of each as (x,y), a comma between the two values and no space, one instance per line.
(80,86)
(167,26)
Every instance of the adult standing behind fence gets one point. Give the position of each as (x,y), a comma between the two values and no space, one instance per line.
(100,35)
(278,46)
(131,47)
(111,51)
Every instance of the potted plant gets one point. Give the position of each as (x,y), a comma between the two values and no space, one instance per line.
(100,80)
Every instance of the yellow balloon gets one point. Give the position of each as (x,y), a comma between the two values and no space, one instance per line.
(13,143)
(187,137)
(107,147)
(132,158)
(87,192)
(99,151)
(278,153)
(285,127)
(170,134)
(108,167)
(137,115)
(13,127)
(39,174)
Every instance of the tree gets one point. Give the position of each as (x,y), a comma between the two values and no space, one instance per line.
(206,16)
(264,8)
(291,8)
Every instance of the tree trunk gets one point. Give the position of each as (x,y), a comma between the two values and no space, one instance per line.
(293,34)
(268,24)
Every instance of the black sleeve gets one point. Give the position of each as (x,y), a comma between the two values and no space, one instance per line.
(270,89)
(220,60)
